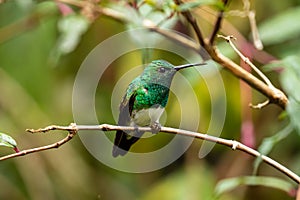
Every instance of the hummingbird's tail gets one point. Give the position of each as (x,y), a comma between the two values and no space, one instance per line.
(122,143)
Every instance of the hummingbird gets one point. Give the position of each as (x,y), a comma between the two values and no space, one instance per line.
(144,102)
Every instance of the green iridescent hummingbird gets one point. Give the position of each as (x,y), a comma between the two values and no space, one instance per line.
(144,102)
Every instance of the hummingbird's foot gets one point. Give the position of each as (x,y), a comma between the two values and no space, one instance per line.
(156,127)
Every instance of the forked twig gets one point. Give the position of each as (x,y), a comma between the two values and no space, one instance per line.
(246,60)
(72,132)
(261,75)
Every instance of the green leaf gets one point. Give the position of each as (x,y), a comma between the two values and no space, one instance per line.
(290,79)
(281,28)
(268,144)
(190,5)
(46,8)
(71,28)
(226,185)
(293,110)
(291,76)
(6,140)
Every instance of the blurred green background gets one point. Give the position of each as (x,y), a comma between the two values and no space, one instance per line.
(37,74)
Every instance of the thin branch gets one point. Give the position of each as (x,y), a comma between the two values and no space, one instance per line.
(73,129)
(217,24)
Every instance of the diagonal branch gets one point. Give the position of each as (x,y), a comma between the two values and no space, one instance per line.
(73,129)
(275,95)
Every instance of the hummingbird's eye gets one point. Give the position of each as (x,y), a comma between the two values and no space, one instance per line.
(161,69)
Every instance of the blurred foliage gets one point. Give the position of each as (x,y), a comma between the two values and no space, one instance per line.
(7,141)
(270,31)
(228,184)
(42,45)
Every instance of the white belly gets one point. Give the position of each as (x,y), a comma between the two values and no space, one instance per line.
(145,117)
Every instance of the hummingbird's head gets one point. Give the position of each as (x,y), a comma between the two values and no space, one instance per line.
(160,68)
(162,72)
(159,72)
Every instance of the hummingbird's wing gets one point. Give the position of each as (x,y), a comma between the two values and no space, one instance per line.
(123,141)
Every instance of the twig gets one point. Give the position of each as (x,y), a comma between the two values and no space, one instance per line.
(189,17)
(105,11)
(172,35)
(24,24)
(255,35)
(73,129)
(177,38)
(260,105)
(246,12)
(217,24)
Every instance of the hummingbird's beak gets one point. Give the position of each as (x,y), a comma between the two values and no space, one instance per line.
(188,65)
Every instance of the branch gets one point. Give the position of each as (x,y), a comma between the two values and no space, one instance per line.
(73,129)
